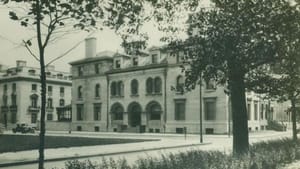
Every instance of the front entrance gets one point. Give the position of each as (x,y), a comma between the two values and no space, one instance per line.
(134,115)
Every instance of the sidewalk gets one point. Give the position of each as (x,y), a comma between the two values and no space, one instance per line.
(211,142)
(31,156)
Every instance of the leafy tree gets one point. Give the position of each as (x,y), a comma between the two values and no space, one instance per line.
(50,18)
(230,43)
(282,81)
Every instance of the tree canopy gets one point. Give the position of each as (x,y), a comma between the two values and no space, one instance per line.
(233,43)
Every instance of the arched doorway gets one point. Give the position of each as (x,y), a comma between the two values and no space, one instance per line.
(134,114)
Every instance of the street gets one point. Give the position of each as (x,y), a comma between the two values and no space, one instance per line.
(218,142)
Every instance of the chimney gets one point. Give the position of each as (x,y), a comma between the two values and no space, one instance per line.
(90,47)
(21,63)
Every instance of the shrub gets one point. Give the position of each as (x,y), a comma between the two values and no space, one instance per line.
(275,125)
(263,155)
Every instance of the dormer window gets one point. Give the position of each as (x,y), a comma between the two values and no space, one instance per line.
(154,58)
(135,61)
(118,64)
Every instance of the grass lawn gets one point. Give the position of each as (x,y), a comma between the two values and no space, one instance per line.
(11,143)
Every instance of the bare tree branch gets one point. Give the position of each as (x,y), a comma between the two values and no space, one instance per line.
(62,55)
(29,50)
(68,51)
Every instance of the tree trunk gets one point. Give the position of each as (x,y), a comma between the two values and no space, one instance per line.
(239,113)
(43,86)
(294,118)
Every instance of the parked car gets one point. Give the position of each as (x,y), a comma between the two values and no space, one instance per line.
(24,128)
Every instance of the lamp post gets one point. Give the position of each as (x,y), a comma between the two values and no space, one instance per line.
(200,95)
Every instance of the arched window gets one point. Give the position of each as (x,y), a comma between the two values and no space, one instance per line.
(134,87)
(149,85)
(79,92)
(154,111)
(180,84)
(113,90)
(120,89)
(61,102)
(97,90)
(157,85)
(117,111)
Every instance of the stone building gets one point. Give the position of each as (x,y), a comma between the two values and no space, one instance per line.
(144,93)
(20,94)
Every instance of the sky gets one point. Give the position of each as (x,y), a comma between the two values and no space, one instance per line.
(12,35)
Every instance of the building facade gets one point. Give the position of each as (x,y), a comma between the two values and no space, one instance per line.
(20,94)
(145,93)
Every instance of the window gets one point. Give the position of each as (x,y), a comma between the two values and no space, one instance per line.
(179,58)
(155,111)
(34,100)
(249,110)
(80,70)
(61,102)
(210,84)
(135,61)
(33,117)
(120,89)
(210,109)
(97,111)
(97,68)
(79,92)
(255,110)
(79,108)
(5,100)
(49,90)
(179,109)
(13,118)
(180,84)
(149,85)
(62,91)
(97,90)
(157,85)
(154,58)
(262,111)
(49,103)
(118,64)
(49,116)
(13,99)
(134,87)
(5,89)
(14,87)
(117,112)
(113,89)
(33,87)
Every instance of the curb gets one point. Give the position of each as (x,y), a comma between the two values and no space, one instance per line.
(10,164)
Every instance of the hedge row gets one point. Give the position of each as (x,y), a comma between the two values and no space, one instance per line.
(263,155)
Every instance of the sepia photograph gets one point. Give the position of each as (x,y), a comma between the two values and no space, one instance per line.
(149,84)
